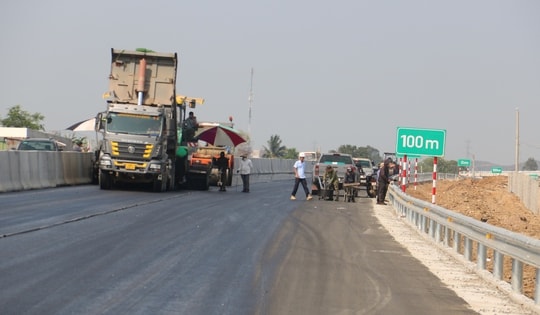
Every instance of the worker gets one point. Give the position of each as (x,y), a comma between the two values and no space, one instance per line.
(349,178)
(222,164)
(331,180)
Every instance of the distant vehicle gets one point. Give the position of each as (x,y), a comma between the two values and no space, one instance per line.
(367,175)
(38,144)
(366,164)
(310,156)
(339,161)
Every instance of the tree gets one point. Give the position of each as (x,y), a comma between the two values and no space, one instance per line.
(365,152)
(443,166)
(274,149)
(18,117)
(530,165)
(291,153)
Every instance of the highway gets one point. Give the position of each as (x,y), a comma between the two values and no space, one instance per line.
(81,250)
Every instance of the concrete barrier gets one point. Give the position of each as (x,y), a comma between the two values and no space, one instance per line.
(23,170)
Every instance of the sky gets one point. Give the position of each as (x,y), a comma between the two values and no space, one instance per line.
(325,73)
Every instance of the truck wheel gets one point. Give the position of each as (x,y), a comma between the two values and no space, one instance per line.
(204,183)
(171,179)
(105,180)
(160,185)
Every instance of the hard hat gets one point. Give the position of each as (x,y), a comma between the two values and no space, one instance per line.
(301,155)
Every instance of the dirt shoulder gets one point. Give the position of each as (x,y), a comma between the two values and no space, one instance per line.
(486,199)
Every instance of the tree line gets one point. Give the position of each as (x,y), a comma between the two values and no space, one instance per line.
(17,117)
(276,149)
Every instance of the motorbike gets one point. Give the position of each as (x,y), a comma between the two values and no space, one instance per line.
(371,184)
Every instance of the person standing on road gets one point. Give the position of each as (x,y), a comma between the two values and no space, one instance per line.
(350,178)
(222,164)
(383,179)
(245,169)
(300,177)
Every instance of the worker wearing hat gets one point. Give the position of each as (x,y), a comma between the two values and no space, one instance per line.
(244,169)
(300,177)
(349,178)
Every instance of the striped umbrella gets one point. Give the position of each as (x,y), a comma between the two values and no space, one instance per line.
(220,135)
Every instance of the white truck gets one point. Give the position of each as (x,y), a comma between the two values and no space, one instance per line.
(339,161)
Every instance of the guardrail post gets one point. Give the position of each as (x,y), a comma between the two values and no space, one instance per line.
(517,276)
(482,254)
(468,248)
(432,229)
(424,224)
(447,233)
(537,287)
(498,265)
(457,242)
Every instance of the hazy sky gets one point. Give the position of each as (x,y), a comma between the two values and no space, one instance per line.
(326,73)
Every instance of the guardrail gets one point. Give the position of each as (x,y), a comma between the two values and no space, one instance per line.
(473,239)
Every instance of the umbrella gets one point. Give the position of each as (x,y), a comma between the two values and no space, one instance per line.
(85,125)
(221,136)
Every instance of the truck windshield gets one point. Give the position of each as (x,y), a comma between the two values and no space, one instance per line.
(134,124)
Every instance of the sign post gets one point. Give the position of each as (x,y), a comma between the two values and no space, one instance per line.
(421,142)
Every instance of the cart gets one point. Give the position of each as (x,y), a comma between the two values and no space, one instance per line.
(326,191)
(351,190)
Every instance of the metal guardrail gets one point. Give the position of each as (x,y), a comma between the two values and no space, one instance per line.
(464,234)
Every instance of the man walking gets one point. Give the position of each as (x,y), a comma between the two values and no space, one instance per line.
(222,164)
(300,177)
(245,169)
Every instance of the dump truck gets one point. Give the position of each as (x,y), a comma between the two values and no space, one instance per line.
(140,126)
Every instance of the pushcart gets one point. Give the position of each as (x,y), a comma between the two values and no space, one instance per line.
(351,190)
(326,191)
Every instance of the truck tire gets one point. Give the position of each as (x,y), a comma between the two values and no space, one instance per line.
(204,183)
(171,178)
(105,180)
(160,185)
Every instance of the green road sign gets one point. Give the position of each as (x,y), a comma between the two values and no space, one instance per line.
(464,162)
(496,170)
(420,142)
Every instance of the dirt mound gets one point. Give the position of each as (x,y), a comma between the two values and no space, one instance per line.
(486,199)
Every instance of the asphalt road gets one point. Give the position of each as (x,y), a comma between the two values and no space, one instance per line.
(80,250)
